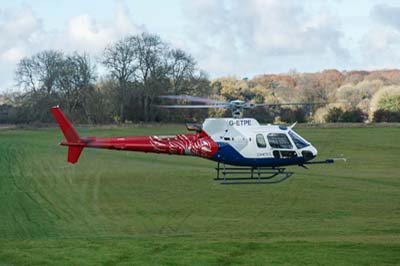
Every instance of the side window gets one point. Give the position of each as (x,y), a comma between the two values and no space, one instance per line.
(279,141)
(261,141)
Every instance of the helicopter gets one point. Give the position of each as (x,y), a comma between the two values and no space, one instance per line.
(245,151)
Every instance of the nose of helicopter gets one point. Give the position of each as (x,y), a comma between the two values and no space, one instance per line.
(310,153)
(314,151)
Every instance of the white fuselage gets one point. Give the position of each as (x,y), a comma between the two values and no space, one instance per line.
(244,141)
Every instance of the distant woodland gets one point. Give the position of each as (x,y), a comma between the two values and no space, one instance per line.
(124,85)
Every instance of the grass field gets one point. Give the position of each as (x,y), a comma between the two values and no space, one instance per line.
(121,208)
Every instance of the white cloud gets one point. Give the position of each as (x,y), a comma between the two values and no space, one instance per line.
(386,14)
(13,55)
(227,37)
(256,31)
(23,34)
(86,34)
(17,27)
(380,48)
(124,24)
(380,45)
(19,30)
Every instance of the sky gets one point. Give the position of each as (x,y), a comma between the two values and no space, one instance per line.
(226,37)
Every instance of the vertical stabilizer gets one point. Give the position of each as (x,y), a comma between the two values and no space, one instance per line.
(69,132)
(74,142)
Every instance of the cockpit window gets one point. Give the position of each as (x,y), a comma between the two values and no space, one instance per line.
(279,141)
(298,141)
(261,141)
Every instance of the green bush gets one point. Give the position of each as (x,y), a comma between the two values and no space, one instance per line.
(353,116)
(336,114)
(293,115)
(386,116)
(5,110)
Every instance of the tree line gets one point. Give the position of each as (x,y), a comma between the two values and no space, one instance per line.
(136,70)
(125,82)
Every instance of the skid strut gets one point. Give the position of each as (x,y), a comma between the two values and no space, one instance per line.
(250,175)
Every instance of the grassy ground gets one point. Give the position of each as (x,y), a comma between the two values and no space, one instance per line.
(121,208)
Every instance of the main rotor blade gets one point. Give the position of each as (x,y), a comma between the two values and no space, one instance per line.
(191,98)
(279,104)
(193,106)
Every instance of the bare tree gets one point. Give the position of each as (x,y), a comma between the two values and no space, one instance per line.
(181,70)
(160,70)
(122,62)
(38,76)
(76,83)
(152,69)
(39,72)
(51,78)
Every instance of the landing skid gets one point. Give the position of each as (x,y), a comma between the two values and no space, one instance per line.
(250,175)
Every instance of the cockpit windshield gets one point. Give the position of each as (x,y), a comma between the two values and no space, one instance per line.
(298,141)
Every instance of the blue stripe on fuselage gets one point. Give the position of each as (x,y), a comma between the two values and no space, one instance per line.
(228,155)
